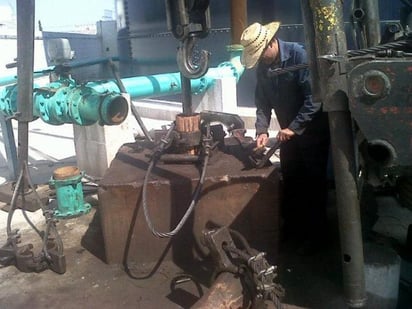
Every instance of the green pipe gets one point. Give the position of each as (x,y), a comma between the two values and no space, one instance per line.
(9,80)
(64,101)
(169,83)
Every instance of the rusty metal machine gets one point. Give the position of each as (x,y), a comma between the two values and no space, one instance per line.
(199,195)
(366,94)
(192,194)
(201,187)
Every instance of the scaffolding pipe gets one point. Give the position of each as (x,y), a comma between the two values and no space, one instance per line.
(25,64)
(325,37)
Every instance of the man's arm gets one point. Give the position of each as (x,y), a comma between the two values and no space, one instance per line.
(263,115)
(309,108)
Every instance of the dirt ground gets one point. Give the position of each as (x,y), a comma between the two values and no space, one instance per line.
(310,282)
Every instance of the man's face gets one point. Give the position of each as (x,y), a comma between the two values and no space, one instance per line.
(270,53)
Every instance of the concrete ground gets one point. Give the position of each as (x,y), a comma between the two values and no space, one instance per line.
(310,282)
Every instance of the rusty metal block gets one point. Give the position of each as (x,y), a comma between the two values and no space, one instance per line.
(245,200)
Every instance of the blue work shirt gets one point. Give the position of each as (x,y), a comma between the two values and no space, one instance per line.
(289,94)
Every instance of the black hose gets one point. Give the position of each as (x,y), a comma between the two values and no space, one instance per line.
(50,223)
(193,202)
(188,211)
(30,183)
(13,203)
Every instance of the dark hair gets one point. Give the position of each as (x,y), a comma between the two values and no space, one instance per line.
(272,40)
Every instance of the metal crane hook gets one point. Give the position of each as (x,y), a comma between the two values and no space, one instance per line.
(184,59)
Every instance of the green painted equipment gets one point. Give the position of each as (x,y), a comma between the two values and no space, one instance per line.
(65,101)
(69,192)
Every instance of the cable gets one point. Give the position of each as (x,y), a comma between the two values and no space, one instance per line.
(194,197)
(13,203)
(50,223)
(351,53)
(374,49)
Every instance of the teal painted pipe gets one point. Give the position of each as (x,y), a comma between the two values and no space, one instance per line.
(9,80)
(101,101)
(65,102)
(152,85)
(169,83)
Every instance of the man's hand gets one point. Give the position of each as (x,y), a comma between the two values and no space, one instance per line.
(285,135)
(261,140)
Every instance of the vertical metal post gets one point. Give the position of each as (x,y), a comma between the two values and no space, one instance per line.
(348,208)
(186,95)
(325,36)
(10,147)
(25,64)
(371,21)
(238,19)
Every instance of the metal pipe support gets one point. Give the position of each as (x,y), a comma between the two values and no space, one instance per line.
(324,20)
(371,21)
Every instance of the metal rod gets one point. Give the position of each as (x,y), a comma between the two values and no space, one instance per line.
(132,107)
(348,208)
(10,147)
(371,21)
(25,64)
(25,59)
(186,95)
(324,20)
(309,31)
(238,19)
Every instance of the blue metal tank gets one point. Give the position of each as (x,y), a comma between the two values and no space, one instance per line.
(147,47)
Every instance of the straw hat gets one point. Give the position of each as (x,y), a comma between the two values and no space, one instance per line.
(254,40)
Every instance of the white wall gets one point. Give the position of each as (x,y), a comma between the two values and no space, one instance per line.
(9,53)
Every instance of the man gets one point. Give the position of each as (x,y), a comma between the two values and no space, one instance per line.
(303,129)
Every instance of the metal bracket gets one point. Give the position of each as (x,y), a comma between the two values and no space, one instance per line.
(333,58)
